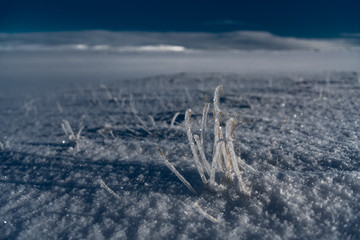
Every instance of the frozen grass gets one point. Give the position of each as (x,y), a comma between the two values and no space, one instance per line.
(224,158)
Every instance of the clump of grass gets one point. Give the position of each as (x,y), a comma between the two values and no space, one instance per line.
(224,158)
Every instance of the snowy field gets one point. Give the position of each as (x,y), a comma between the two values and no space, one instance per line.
(110,181)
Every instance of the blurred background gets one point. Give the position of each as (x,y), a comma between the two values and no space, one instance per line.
(48,41)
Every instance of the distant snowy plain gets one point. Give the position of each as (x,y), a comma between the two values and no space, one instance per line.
(112,183)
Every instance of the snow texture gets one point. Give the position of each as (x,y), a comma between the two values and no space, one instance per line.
(111,182)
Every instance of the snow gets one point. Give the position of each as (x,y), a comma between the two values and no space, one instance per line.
(111,182)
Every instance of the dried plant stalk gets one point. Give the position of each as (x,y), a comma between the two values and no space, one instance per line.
(192,145)
(202,154)
(173,169)
(205,214)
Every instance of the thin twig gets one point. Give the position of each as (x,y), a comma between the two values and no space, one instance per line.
(173,119)
(205,214)
(173,169)
(107,188)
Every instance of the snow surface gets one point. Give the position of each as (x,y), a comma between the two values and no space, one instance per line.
(110,181)
(54,188)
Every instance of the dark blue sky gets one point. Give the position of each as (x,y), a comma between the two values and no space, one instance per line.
(313,19)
